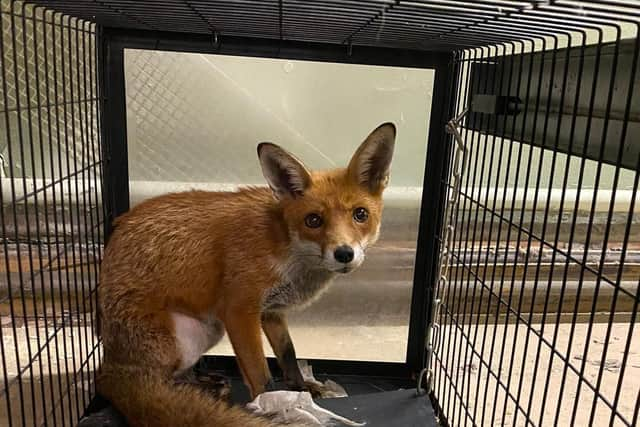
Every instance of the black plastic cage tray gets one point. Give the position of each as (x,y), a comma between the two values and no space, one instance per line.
(377,401)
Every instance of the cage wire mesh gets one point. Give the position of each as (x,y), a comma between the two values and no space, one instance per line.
(536,318)
(51,215)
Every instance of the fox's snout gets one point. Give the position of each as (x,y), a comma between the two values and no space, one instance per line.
(343,258)
(343,254)
(346,258)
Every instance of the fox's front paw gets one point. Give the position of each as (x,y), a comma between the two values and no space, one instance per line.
(316,389)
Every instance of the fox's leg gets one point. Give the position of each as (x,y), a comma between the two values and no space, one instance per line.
(243,328)
(275,328)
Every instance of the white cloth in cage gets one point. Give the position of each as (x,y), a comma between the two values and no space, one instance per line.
(287,406)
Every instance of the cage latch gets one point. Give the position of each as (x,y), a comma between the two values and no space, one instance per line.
(453,197)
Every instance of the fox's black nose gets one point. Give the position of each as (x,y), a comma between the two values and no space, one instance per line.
(343,254)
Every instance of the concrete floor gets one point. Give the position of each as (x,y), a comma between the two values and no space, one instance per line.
(469,375)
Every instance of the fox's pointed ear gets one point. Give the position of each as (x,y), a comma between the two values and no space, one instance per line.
(285,174)
(371,162)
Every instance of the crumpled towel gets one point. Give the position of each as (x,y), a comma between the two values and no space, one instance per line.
(288,406)
(295,406)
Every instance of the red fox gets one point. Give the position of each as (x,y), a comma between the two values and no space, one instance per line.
(181,269)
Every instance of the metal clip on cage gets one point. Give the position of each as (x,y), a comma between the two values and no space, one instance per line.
(458,167)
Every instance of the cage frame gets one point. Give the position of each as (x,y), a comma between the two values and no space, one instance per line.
(114,41)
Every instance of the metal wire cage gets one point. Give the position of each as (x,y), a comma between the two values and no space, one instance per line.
(536,315)
(51,214)
(527,283)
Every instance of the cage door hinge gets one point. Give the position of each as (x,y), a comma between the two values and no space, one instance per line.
(425,378)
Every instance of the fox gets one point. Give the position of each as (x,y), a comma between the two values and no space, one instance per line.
(182,269)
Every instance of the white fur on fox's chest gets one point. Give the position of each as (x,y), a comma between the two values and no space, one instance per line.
(299,285)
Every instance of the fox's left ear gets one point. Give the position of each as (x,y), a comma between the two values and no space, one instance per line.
(370,164)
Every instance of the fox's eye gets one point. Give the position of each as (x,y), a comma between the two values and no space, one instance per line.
(313,220)
(360,214)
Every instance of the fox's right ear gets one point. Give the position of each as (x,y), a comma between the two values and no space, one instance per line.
(285,174)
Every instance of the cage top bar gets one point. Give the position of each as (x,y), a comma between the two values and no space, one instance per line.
(446,25)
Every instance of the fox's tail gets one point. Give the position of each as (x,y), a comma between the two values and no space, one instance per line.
(148,399)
